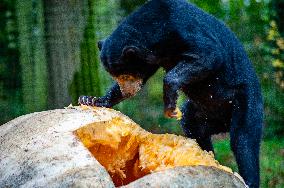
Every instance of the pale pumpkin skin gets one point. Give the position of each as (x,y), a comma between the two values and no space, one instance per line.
(40,150)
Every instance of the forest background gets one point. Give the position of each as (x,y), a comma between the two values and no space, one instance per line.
(49,56)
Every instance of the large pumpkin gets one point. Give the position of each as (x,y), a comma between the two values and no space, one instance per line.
(101,147)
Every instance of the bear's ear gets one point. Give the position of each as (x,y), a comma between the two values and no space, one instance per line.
(130,52)
(100,44)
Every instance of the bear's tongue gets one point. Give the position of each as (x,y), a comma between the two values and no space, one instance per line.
(129,85)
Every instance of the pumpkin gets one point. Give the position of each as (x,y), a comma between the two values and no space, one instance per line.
(101,147)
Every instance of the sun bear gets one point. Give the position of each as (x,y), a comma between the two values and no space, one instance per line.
(203,59)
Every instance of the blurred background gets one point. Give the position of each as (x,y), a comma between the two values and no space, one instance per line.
(49,56)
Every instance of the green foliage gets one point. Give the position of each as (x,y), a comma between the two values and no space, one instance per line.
(272,163)
(30,23)
(215,7)
(87,81)
(92,79)
(274,107)
(130,5)
(224,154)
(259,24)
(10,75)
(277,13)
(271,160)
(108,15)
(274,51)
(272,72)
(259,32)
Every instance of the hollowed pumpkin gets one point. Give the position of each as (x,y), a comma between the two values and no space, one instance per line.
(128,152)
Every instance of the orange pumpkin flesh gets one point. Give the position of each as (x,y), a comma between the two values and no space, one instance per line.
(128,152)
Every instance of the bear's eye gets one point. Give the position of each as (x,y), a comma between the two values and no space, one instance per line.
(131,59)
(130,54)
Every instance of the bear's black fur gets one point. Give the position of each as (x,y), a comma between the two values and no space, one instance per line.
(202,58)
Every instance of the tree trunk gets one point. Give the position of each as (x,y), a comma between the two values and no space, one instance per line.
(65,21)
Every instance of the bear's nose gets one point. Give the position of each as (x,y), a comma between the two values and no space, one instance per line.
(129,85)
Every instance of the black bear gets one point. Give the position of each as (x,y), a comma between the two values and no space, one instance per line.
(202,58)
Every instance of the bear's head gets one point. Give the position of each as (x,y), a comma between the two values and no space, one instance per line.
(128,61)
